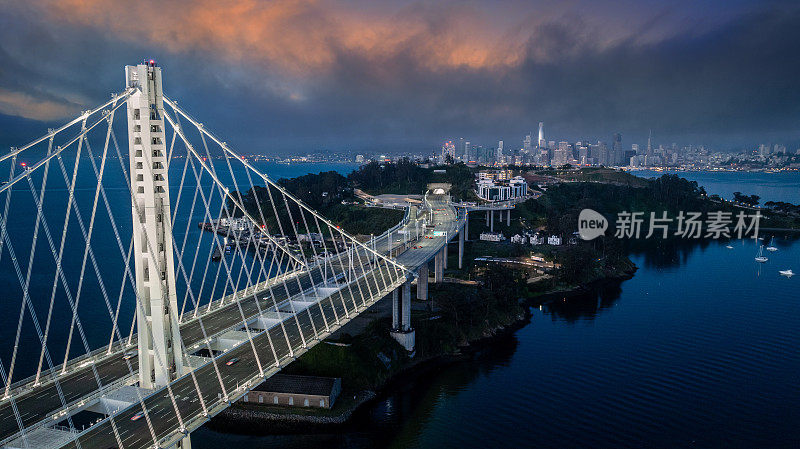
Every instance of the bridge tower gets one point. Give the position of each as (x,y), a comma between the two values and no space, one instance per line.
(160,350)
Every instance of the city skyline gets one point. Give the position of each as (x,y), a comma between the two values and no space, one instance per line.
(296,76)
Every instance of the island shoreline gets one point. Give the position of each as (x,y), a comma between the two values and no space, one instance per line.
(263,422)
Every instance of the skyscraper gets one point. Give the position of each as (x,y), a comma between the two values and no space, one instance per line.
(448,149)
(526,143)
(541,142)
(616,157)
(499,155)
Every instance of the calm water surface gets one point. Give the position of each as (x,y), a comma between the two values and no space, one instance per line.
(783,186)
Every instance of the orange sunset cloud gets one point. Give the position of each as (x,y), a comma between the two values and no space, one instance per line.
(297,37)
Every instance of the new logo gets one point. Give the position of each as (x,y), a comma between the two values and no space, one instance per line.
(591,224)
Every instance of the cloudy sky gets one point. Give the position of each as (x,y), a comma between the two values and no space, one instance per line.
(304,75)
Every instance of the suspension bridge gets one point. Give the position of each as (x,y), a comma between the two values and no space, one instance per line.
(151,282)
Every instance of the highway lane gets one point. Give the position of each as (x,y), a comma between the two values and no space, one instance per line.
(274,348)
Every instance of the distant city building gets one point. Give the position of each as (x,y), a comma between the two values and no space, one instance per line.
(499,153)
(563,154)
(359,158)
(541,142)
(618,154)
(448,149)
(554,240)
(527,143)
(494,175)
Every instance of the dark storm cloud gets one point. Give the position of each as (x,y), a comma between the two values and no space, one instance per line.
(410,80)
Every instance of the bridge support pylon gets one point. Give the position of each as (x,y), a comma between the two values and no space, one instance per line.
(438,267)
(466,225)
(160,349)
(422,283)
(508,218)
(461,238)
(402,331)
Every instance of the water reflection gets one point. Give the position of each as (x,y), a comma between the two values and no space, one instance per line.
(667,253)
(584,305)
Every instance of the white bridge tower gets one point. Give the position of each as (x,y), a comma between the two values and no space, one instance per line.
(160,350)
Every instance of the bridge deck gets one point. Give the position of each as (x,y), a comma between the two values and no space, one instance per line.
(302,330)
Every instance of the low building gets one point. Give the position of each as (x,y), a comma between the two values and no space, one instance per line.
(237,224)
(310,237)
(296,391)
(516,238)
(494,175)
(554,240)
(492,236)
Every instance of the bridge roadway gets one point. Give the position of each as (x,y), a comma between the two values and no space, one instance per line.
(39,404)
(240,377)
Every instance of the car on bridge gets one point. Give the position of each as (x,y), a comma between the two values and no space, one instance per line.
(232,361)
(137,416)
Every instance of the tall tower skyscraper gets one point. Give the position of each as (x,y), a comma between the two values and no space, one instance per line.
(541,142)
(650,144)
(499,155)
(617,152)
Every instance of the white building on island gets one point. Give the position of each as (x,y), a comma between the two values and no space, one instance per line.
(493,188)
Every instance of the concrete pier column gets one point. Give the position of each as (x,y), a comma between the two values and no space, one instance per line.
(491,221)
(403,333)
(461,248)
(438,267)
(396,308)
(487,216)
(422,283)
(508,218)
(466,226)
(405,324)
(444,255)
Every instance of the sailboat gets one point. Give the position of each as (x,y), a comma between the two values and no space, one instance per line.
(760,258)
(772,246)
(729,246)
(788,273)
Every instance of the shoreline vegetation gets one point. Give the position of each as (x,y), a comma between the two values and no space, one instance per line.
(484,301)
